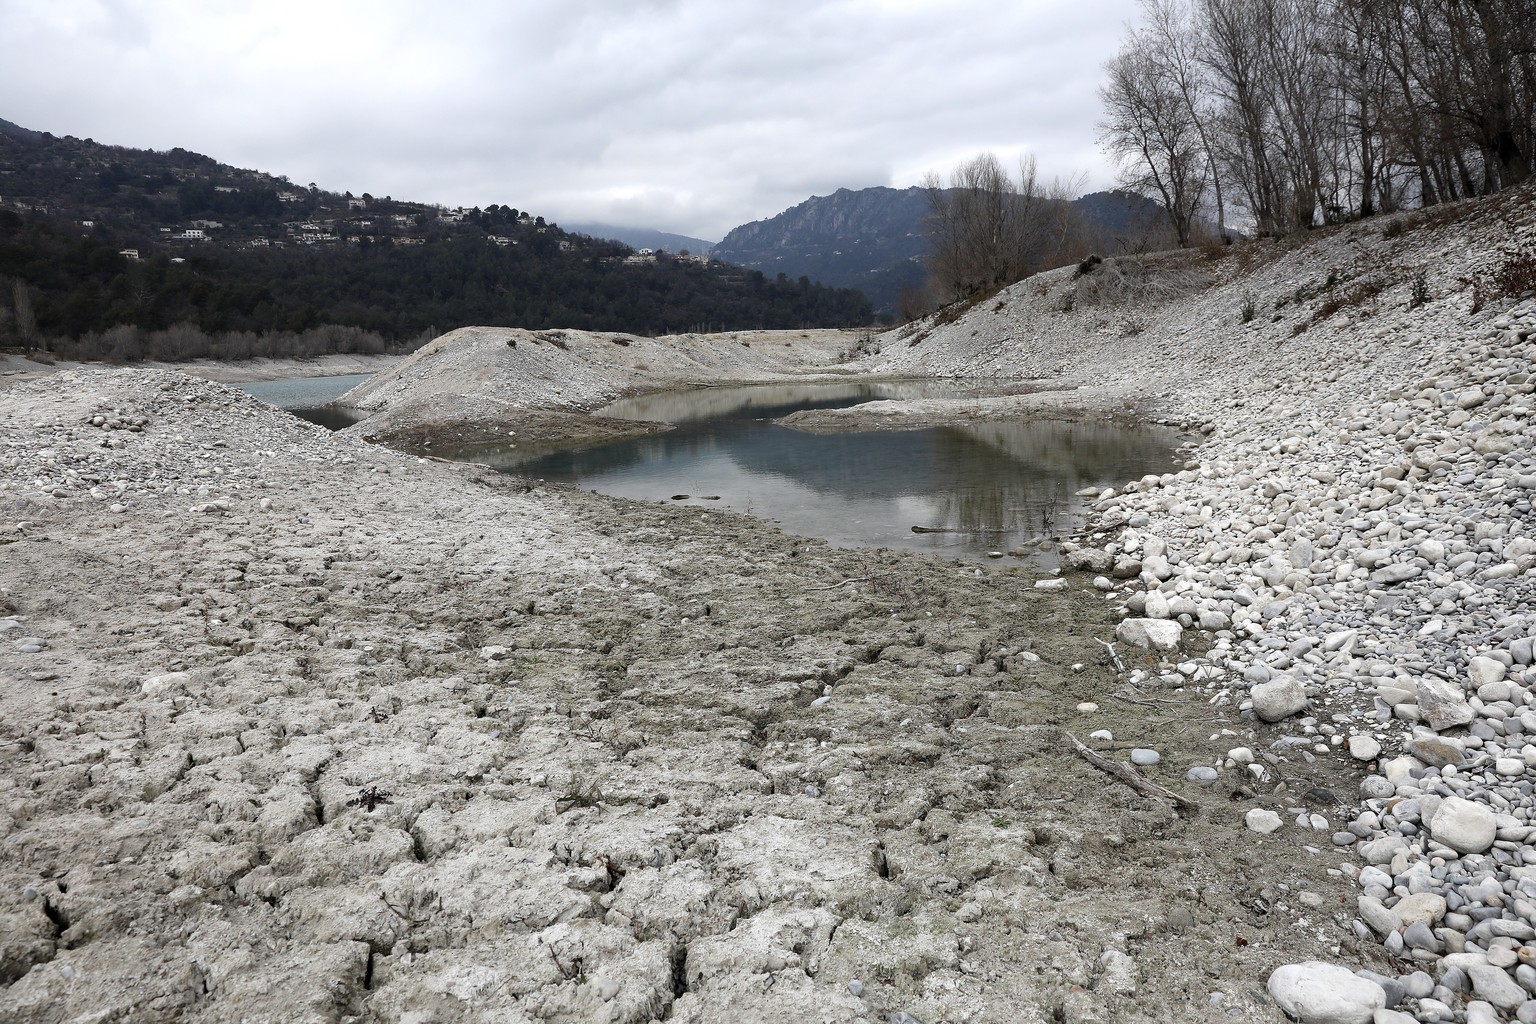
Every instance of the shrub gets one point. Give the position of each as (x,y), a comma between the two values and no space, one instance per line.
(1250,307)
(1418,293)
(1515,274)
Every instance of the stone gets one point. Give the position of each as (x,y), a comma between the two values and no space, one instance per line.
(1435,751)
(1443,703)
(1144,757)
(1383,920)
(1279,698)
(1496,986)
(1420,907)
(1318,993)
(1364,748)
(1381,851)
(1262,820)
(1397,572)
(1464,826)
(1482,670)
(1150,634)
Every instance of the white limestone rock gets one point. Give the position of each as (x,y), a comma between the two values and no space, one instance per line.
(1279,698)
(1443,704)
(1317,993)
(1464,826)
(1151,634)
(1262,820)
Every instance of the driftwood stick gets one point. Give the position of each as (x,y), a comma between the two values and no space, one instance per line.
(1119,665)
(1128,775)
(855,579)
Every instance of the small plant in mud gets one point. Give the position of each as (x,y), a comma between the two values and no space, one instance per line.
(1418,292)
(570,967)
(1001,822)
(585,796)
(370,798)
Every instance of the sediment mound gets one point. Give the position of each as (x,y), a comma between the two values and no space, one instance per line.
(479,382)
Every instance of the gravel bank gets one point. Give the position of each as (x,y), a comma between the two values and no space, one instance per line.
(1356,537)
(477,384)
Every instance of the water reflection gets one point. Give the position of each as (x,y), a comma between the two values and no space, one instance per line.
(981,487)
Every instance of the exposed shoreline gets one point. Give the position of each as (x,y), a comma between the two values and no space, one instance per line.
(316,730)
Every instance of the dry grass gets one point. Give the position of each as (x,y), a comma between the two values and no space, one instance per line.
(1129,281)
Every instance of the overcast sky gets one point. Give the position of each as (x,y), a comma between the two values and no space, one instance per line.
(690,116)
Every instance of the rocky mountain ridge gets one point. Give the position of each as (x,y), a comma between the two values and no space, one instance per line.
(873,239)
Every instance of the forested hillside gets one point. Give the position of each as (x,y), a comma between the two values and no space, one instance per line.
(98,239)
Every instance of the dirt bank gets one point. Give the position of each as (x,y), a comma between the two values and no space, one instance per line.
(16,368)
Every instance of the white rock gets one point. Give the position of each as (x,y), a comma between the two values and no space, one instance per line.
(1464,826)
(1319,993)
(1364,748)
(1153,634)
(1496,986)
(1262,820)
(1481,670)
(1420,906)
(1443,703)
(1279,698)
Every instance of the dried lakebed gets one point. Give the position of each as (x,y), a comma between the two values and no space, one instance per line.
(296,727)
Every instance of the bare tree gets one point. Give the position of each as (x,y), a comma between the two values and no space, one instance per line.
(987,230)
(1150,126)
(1319,110)
(1171,39)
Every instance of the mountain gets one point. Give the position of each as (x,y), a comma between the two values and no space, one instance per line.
(643,238)
(96,237)
(873,239)
(870,239)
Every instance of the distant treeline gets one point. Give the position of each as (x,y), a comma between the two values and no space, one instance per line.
(126,343)
(59,287)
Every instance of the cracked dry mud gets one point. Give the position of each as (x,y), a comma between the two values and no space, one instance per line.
(322,732)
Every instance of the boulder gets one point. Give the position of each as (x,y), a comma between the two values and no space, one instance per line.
(1317,993)
(1464,826)
(1279,698)
(1443,703)
(1152,634)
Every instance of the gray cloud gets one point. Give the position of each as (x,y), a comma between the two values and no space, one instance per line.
(686,115)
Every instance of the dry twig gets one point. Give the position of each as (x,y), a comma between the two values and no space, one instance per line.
(1130,776)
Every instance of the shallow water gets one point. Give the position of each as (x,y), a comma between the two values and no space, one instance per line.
(302,392)
(306,397)
(987,486)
